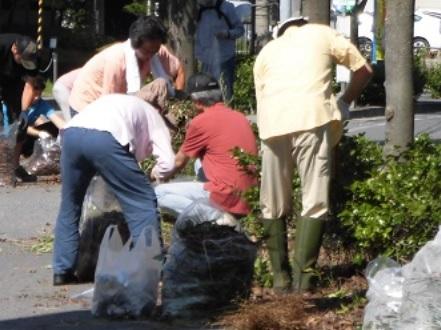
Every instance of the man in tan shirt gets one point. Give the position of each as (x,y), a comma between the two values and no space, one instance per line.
(300,121)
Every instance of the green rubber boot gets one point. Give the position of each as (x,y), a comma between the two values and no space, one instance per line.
(276,242)
(309,233)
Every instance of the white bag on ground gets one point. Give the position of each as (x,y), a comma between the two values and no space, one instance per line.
(406,298)
(126,279)
(421,307)
(45,159)
(385,294)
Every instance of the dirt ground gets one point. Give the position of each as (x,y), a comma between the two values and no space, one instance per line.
(337,307)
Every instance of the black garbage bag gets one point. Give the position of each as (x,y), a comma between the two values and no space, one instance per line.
(8,137)
(100,210)
(208,267)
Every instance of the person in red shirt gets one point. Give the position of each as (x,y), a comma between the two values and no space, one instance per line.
(211,136)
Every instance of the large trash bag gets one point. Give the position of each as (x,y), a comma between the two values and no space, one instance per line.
(421,306)
(127,278)
(407,297)
(45,158)
(8,137)
(385,294)
(208,266)
(100,210)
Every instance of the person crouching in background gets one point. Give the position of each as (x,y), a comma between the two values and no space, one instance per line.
(43,121)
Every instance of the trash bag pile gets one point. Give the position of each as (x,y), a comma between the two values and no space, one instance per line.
(127,278)
(407,297)
(7,155)
(208,266)
(100,210)
(45,159)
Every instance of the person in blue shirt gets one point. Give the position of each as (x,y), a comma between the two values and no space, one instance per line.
(218,27)
(43,121)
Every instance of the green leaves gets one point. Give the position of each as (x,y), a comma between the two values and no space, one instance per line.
(244,98)
(398,208)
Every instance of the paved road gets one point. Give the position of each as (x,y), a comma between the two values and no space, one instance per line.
(374,127)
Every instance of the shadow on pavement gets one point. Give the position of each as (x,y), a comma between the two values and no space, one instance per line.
(85,321)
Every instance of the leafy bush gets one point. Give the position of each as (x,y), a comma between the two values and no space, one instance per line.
(244,98)
(433,76)
(379,207)
(398,209)
(375,94)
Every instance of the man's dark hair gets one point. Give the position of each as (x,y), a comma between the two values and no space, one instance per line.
(37,82)
(205,89)
(147,28)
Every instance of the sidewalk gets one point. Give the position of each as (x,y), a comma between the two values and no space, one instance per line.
(27,298)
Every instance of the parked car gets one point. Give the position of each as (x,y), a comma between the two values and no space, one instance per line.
(427,30)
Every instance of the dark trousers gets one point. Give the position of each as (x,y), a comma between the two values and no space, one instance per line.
(87,152)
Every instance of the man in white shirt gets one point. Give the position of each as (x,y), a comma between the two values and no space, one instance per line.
(109,137)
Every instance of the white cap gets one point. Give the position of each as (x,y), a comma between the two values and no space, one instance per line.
(280,28)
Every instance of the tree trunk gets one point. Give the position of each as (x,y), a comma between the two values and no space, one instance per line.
(399,83)
(262,17)
(182,25)
(318,11)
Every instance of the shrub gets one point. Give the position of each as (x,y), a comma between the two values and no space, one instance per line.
(244,98)
(379,207)
(375,94)
(398,209)
(433,76)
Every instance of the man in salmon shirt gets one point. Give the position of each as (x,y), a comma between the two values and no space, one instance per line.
(211,136)
(124,66)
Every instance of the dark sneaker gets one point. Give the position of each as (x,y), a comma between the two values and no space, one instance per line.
(23,176)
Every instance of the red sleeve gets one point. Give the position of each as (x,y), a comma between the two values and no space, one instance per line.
(195,141)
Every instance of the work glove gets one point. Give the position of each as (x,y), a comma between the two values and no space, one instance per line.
(224,34)
(43,135)
(344,109)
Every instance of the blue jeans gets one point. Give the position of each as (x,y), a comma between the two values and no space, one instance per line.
(227,75)
(176,197)
(224,73)
(87,152)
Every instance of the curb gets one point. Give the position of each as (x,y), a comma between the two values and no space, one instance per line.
(423,106)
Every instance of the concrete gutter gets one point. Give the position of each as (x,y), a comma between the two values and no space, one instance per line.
(423,105)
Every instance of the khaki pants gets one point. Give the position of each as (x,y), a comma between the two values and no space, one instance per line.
(310,152)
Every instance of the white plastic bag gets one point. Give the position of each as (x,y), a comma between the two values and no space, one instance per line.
(421,307)
(126,279)
(385,294)
(45,159)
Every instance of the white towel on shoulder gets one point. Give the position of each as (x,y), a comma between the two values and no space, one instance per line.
(133,76)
